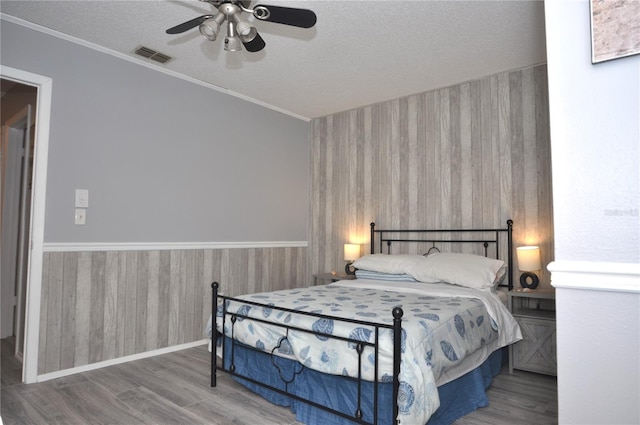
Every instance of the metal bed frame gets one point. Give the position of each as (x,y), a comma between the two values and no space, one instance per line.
(385,237)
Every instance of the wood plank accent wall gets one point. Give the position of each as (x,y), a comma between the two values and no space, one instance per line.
(99,306)
(467,156)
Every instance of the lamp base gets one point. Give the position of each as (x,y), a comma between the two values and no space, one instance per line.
(529,280)
(349,269)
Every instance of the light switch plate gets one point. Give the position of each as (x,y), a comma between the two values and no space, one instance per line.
(82,198)
(81,216)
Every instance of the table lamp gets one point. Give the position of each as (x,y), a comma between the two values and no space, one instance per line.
(351,253)
(528,262)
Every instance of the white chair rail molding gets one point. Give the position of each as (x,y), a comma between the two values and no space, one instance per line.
(597,318)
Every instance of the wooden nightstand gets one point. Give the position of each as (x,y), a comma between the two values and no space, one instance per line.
(331,277)
(536,315)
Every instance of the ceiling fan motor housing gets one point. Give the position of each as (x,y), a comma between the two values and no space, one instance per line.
(239,31)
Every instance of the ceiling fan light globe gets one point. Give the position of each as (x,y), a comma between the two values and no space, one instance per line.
(209,29)
(244,28)
(249,36)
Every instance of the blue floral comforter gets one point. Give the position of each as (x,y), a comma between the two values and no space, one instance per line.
(442,324)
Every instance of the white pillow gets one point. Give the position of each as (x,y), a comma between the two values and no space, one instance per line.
(469,270)
(383,263)
(502,273)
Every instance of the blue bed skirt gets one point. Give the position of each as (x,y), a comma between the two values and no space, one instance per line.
(457,398)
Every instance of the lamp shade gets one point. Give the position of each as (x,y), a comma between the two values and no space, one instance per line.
(351,251)
(528,258)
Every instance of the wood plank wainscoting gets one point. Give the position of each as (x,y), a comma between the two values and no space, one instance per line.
(102,305)
(471,155)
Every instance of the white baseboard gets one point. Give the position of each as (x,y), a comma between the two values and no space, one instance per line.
(119,360)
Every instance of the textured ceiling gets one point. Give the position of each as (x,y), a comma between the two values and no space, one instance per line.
(359,52)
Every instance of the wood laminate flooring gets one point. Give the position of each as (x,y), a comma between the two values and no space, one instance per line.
(174,389)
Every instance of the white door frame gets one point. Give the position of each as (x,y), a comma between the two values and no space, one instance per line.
(16,140)
(34,272)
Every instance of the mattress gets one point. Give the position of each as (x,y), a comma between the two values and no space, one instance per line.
(447,332)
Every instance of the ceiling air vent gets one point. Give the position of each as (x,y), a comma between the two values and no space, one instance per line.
(152,54)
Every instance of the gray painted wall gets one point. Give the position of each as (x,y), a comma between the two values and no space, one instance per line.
(164,160)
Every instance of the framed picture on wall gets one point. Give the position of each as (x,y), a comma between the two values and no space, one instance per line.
(615,29)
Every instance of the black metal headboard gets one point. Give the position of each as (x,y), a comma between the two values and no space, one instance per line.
(441,236)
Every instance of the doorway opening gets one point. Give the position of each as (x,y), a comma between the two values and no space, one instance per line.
(23,160)
(16,150)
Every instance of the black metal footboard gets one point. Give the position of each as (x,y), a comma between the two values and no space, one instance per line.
(358,345)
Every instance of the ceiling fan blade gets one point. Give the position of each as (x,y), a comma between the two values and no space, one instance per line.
(303,18)
(185,26)
(254,45)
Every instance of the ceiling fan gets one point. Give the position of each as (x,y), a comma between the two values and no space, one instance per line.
(239,31)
